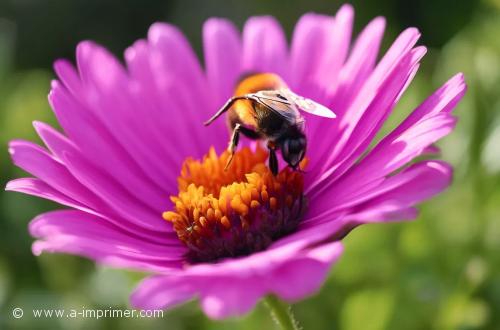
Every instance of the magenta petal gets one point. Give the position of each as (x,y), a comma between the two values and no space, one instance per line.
(433,177)
(397,52)
(152,100)
(123,203)
(342,129)
(353,74)
(398,152)
(94,141)
(361,178)
(291,278)
(69,76)
(319,48)
(383,213)
(162,292)
(428,123)
(38,188)
(174,58)
(233,287)
(430,177)
(374,116)
(359,65)
(167,103)
(107,75)
(177,56)
(53,170)
(336,49)
(264,46)
(179,72)
(36,161)
(431,150)
(220,300)
(298,278)
(109,95)
(55,141)
(87,235)
(311,33)
(399,192)
(222,50)
(444,100)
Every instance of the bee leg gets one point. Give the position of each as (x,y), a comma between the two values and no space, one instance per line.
(233,143)
(225,108)
(273,160)
(250,133)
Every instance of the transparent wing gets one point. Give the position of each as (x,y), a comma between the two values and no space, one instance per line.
(308,105)
(283,107)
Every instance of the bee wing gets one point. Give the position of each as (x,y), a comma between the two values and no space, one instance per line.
(281,106)
(308,105)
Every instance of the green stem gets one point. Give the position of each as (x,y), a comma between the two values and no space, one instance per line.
(281,313)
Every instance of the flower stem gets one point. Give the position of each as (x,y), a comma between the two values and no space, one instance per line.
(282,313)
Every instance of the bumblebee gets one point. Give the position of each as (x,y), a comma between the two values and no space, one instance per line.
(264,108)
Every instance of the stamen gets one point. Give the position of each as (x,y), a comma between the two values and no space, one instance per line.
(236,212)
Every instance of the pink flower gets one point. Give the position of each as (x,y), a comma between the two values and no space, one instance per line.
(128,130)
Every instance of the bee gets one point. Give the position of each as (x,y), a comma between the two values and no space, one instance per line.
(263,107)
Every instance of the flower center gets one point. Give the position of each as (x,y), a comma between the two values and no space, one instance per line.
(228,213)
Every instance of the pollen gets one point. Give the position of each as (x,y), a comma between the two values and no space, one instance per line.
(229,213)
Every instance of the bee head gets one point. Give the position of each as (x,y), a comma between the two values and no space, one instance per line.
(293,149)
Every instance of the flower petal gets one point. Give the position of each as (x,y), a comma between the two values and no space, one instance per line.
(58,144)
(177,58)
(405,189)
(399,152)
(182,82)
(80,233)
(389,70)
(264,46)
(69,76)
(351,78)
(337,47)
(309,43)
(372,120)
(168,105)
(359,65)
(111,194)
(432,114)
(108,93)
(219,286)
(431,178)
(162,292)
(36,161)
(94,141)
(223,56)
(385,212)
(123,203)
(443,100)
(55,141)
(319,48)
(38,188)
(298,278)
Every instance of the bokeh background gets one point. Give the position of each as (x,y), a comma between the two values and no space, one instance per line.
(439,272)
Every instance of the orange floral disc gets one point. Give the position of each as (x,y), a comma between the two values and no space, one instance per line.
(227,213)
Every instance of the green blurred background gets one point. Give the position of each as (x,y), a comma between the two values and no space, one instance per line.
(439,272)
